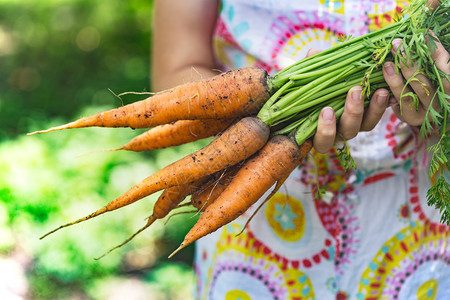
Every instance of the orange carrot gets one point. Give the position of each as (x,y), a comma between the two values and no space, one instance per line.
(167,201)
(232,94)
(175,134)
(279,157)
(239,142)
(204,196)
(272,193)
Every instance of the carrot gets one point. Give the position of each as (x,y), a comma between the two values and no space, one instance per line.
(210,190)
(272,193)
(239,142)
(172,197)
(203,197)
(232,94)
(279,157)
(167,201)
(175,134)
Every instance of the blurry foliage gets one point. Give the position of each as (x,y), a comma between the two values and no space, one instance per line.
(45,184)
(58,58)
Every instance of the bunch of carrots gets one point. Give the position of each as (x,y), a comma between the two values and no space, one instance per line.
(263,124)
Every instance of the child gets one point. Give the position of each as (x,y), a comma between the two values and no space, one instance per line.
(371,235)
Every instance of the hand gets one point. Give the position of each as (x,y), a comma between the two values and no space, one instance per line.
(354,119)
(424,92)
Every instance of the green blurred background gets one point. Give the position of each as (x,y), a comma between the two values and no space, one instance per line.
(60,60)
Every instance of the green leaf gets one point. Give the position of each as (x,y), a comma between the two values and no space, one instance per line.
(439,197)
(345,158)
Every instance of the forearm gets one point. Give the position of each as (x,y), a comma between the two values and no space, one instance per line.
(169,79)
(182,42)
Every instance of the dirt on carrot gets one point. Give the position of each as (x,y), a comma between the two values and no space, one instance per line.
(236,144)
(232,94)
(279,157)
(208,193)
(175,134)
(167,201)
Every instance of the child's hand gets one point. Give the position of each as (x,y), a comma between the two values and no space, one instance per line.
(425,93)
(354,119)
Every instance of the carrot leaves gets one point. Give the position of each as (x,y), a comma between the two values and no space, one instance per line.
(345,158)
(324,79)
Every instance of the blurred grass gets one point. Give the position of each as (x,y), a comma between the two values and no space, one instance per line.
(57,61)
(58,56)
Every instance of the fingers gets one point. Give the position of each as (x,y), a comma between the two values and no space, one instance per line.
(419,85)
(354,119)
(442,60)
(351,119)
(375,110)
(433,3)
(326,131)
(404,111)
(422,86)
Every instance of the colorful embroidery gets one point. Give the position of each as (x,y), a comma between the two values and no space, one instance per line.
(292,35)
(241,263)
(334,5)
(273,232)
(286,217)
(415,261)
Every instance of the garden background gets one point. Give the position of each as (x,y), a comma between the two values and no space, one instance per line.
(60,60)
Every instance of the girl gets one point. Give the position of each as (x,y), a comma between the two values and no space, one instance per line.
(371,234)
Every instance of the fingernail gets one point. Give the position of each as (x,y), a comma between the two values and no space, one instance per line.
(389,67)
(382,98)
(328,114)
(395,44)
(356,93)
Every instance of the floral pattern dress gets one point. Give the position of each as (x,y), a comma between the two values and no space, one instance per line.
(371,236)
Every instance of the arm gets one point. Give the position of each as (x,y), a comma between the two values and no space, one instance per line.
(182,51)
(182,42)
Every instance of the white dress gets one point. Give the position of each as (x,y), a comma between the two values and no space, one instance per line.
(372,236)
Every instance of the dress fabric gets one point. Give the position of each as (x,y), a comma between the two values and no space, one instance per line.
(372,235)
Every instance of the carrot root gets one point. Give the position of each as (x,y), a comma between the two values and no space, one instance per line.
(274,191)
(279,157)
(150,221)
(90,216)
(176,250)
(232,94)
(75,124)
(180,213)
(99,151)
(236,144)
(166,202)
(203,197)
(175,134)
